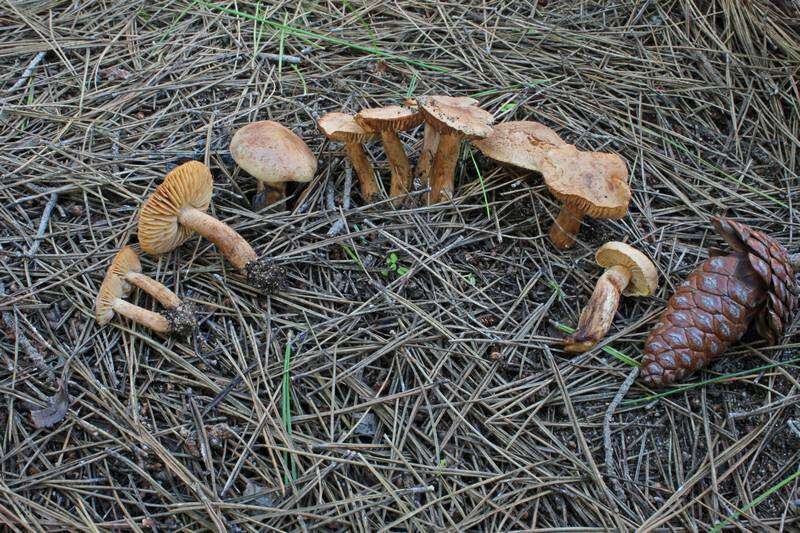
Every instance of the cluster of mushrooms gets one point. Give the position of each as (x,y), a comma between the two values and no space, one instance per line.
(586,184)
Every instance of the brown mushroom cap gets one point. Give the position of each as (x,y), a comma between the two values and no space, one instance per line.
(391,118)
(520,143)
(470,121)
(188,185)
(644,276)
(272,153)
(592,182)
(341,127)
(465,101)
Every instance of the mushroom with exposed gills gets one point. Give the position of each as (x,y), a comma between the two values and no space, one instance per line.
(521,144)
(274,155)
(454,123)
(127,267)
(587,183)
(121,276)
(177,209)
(430,139)
(341,127)
(387,121)
(629,272)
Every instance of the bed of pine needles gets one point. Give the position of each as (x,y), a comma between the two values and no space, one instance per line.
(409,377)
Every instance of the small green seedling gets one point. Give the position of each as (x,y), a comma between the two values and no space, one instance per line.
(392,265)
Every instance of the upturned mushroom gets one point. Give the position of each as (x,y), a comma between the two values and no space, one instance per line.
(122,275)
(274,155)
(521,144)
(629,272)
(387,121)
(587,183)
(430,139)
(453,123)
(341,127)
(177,209)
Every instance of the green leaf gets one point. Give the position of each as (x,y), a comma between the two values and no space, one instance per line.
(402,271)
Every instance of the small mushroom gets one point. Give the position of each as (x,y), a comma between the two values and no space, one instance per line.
(454,123)
(629,272)
(430,140)
(125,272)
(387,121)
(274,155)
(522,144)
(177,209)
(587,183)
(341,127)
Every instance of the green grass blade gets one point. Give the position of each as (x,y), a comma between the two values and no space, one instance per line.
(483,186)
(313,35)
(608,349)
(286,401)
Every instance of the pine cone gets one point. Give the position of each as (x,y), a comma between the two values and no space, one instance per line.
(714,307)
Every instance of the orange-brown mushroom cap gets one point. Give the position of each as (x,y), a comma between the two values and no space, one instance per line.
(644,276)
(592,182)
(392,118)
(113,287)
(188,185)
(272,153)
(521,143)
(470,121)
(342,127)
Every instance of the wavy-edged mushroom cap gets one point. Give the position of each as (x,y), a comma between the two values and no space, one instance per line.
(593,182)
(470,121)
(644,276)
(272,153)
(391,118)
(521,143)
(188,185)
(113,287)
(342,127)
(126,260)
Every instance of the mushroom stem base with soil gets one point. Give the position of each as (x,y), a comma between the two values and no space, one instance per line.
(398,165)
(260,273)
(444,167)
(268,194)
(597,316)
(566,226)
(142,316)
(362,166)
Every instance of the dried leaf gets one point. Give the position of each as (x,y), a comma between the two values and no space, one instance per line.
(56,410)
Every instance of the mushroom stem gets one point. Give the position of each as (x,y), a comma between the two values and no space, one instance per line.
(597,316)
(398,164)
(141,316)
(268,194)
(362,166)
(566,226)
(444,167)
(231,244)
(157,290)
(430,142)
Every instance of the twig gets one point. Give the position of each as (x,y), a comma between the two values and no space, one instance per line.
(48,209)
(337,226)
(13,331)
(293,60)
(623,390)
(28,71)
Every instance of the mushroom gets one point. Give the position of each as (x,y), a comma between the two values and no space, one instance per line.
(177,209)
(125,272)
(387,121)
(521,144)
(587,183)
(453,123)
(341,127)
(274,155)
(629,272)
(430,140)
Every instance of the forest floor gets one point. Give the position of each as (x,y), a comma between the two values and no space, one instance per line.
(410,375)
